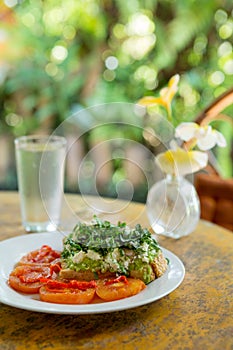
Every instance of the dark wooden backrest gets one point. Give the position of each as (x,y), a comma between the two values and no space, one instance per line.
(216,193)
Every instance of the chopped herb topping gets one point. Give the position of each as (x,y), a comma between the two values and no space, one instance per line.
(104,246)
(102,236)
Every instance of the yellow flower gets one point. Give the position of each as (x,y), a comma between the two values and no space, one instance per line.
(180,162)
(166,96)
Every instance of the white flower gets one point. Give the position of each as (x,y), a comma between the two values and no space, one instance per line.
(206,137)
(180,162)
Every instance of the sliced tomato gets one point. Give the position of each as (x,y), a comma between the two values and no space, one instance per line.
(118,288)
(72,292)
(45,255)
(27,278)
(117,279)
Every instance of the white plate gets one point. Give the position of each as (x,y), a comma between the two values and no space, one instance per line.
(12,249)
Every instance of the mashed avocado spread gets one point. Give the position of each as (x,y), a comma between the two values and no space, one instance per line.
(103,246)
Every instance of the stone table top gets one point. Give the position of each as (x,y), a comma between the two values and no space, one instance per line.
(197,315)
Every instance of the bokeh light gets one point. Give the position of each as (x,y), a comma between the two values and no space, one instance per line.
(59,53)
(111,62)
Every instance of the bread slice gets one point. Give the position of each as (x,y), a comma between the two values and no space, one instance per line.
(131,252)
(85,275)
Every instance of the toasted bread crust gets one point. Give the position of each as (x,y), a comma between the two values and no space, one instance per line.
(85,275)
(159,265)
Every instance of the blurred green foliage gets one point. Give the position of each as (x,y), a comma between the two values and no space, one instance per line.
(58,56)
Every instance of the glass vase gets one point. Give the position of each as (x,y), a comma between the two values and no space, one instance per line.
(173,207)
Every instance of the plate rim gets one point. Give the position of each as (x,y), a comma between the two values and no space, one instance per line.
(119,305)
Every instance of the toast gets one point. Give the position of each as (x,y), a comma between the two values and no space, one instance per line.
(102,250)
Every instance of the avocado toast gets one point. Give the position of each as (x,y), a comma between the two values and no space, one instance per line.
(102,250)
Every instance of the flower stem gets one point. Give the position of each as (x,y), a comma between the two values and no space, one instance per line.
(189,145)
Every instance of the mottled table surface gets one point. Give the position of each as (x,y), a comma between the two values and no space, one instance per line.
(197,315)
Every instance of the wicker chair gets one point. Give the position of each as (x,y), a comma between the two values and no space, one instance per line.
(216,199)
(216,193)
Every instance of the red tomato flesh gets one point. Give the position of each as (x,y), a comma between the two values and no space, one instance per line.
(72,292)
(44,255)
(117,289)
(27,279)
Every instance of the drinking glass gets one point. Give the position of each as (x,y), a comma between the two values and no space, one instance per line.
(40,162)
